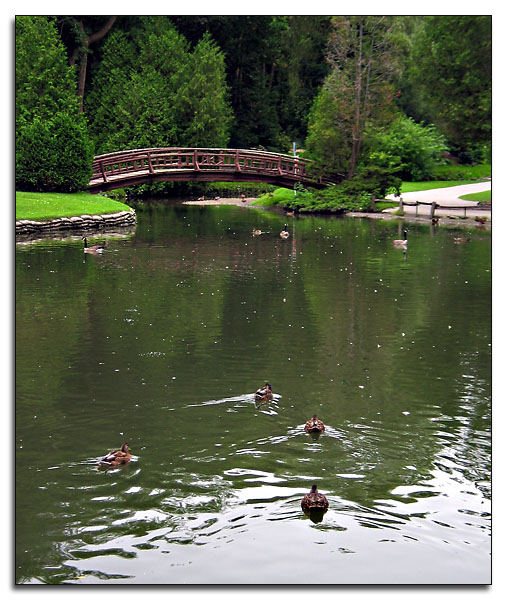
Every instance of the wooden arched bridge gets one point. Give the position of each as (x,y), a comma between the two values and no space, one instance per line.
(132,167)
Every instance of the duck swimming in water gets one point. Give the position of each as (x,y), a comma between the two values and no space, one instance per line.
(314,501)
(264,393)
(314,425)
(284,233)
(117,457)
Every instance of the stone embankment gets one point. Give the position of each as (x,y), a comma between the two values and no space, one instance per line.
(119,219)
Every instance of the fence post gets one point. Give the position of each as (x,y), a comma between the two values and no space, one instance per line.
(401,203)
(432,209)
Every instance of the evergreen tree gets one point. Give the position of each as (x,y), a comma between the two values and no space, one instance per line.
(151,91)
(53,150)
(452,71)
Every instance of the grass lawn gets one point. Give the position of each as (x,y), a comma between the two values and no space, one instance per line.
(417,186)
(38,206)
(280,195)
(478,197)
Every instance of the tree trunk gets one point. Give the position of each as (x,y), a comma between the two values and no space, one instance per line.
(356,129)
(82,50)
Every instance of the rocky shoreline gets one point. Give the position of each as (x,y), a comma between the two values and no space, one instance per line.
(119,219)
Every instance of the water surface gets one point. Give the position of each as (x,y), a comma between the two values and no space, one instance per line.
(162,340)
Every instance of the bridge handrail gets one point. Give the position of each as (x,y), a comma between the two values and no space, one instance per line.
(122,156)
(150,161)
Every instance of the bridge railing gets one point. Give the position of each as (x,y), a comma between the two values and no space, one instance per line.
(150,161)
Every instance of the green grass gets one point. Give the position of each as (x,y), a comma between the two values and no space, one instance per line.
(478,197)
(38,206)
(452,172)
(279,196)
(417,186)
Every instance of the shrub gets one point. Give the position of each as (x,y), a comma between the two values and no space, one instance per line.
(53,155)
(414,148)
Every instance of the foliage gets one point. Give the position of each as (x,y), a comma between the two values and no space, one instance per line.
(39,206)
(415,149)
(53,150)
(357,93)
(332,84)
(54,154)
(156,92)
(452,70)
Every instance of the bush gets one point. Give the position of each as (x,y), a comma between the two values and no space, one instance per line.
(414,148)
(53,155)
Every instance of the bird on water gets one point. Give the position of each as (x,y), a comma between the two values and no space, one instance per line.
(401,243)
(314,425)
(314,501)
(264,393)
(284,233)
(117,457)
(93,249)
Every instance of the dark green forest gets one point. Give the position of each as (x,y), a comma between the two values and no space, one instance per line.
(369,98)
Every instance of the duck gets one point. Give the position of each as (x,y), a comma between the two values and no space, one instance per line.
(117,457)
(200,199)
(401,243)
(314,500)
(314,425)
(264,393)
(460,240)
(257,232)
(284,233)
(481,220)
(93,249)
(435,220)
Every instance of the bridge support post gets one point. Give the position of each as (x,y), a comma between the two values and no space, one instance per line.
(432,209)
(150,166)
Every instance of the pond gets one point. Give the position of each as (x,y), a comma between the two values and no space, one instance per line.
(162,340)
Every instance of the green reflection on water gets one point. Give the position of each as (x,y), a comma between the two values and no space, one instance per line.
(163,339)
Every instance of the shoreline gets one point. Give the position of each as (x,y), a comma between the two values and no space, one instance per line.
(128,218)
(119,219)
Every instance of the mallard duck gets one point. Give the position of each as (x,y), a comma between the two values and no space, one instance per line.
(117,457)
(284,233)
(481,219)
(314,425)
(93,249)
(401,243)
(264,393)
(460,240)
(257,232)
(435,220)
(314,500)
